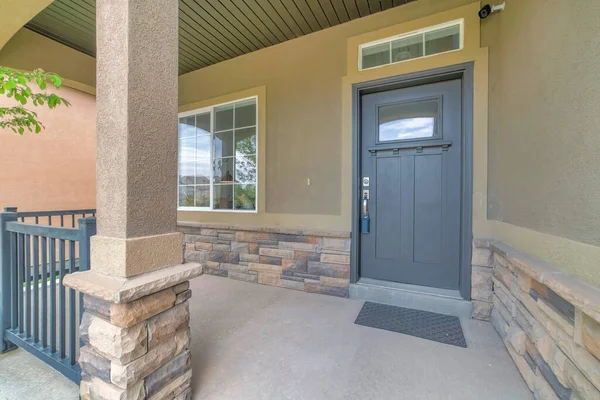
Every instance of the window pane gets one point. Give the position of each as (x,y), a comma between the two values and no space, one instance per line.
(186,173)
(442,40)
(374,56)
(202,172)
(203,196)
(223,197)
(224,117)
(415,120)
(223,144)
(245,113)
(223,170)
(186,196)
(232,134)
(203,147)
(245,141)
(186,127)
(203,123)
(187,149)
(245,197)
(407,48)
(245,169)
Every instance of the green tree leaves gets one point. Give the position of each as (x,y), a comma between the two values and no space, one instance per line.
(16,84)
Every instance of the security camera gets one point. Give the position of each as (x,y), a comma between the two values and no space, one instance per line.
(487,10)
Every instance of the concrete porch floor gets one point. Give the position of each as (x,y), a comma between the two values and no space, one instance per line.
(259,342)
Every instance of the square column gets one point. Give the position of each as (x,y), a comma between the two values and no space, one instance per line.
(137,61)
(136,321)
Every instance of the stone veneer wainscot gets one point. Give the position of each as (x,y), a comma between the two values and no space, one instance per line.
(314,261)
(549,321)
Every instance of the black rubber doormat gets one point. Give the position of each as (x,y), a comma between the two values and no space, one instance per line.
(422,324)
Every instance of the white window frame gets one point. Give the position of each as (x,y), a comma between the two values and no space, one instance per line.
(460,22)
(211,110)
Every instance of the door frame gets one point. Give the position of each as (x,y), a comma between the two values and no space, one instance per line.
(464,72)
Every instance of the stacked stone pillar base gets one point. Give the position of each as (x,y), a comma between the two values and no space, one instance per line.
(136,335)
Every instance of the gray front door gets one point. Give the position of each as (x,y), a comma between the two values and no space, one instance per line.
(411,155)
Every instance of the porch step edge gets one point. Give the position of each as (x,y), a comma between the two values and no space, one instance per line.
(418,298)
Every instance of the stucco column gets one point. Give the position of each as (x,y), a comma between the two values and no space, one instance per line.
(137,137)
(136,321)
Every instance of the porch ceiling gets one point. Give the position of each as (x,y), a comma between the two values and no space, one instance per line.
(211,31)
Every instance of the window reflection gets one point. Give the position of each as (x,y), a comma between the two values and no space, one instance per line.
(217,157)
(415,120)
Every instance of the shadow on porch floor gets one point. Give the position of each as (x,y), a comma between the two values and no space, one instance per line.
(258,342)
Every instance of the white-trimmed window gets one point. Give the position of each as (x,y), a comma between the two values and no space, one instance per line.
(426,42)
(218,157)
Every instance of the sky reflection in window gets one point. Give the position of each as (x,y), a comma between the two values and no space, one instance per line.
(407,128)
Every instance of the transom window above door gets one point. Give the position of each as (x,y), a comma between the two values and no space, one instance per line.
(425,42)
(217,157)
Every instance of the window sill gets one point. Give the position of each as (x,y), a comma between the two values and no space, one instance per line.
(197,209)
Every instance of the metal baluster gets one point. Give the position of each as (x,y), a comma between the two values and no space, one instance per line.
(50,220)
(72,310)
(73,220)
(61,299)
(14,283)
(87,229)
(28,285)
(36,220)
(36,289)
(62,221)
(20,268)
(52,273)
(44,284)
(6,267)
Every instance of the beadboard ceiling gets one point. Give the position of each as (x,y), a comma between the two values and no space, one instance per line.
(211,31)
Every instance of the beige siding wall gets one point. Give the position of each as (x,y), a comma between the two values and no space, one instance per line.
(544,140)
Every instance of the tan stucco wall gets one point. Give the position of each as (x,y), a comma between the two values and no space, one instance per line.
(28,50)
(55,169)
(16,13)
(544,121)
(544,145)
(543,162)
(308,134)
(303,80)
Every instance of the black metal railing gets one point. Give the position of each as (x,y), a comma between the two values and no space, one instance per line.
(38,313)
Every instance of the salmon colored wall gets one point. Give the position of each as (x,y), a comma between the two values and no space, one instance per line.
(55,169)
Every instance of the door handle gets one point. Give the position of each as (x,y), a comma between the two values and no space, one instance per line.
(365,221)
